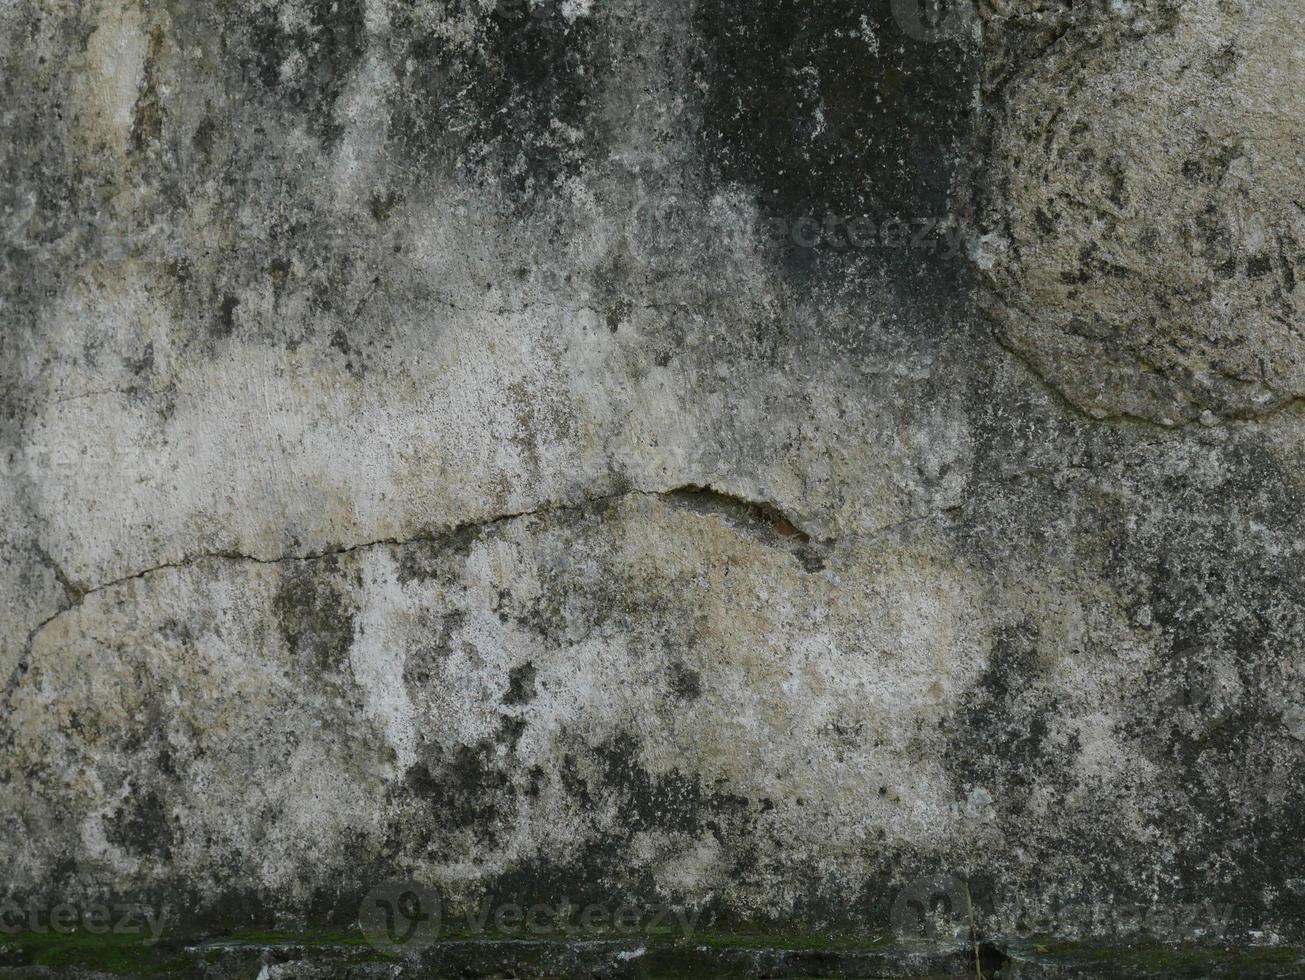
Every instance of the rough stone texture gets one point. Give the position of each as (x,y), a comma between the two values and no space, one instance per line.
(423,461)
(1145,226)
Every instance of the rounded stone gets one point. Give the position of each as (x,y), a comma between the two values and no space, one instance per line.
(1144,184)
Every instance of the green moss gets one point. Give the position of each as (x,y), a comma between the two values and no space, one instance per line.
(103,952)
(345,944)
(670,953)
(306,937)
(138,955)
(833,942)
(663,936)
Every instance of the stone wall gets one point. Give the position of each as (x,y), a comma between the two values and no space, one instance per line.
(741,454)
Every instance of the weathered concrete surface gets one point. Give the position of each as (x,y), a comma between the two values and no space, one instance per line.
(425,462)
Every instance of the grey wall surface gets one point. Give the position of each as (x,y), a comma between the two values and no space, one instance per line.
(746,454)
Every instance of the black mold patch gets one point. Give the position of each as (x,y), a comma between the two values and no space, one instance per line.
(438,630)
(685,683)
(507,105)
(672,801)
(315,617)
(1000,739)
(473,787)
(478,790)
(354,362)
(830,108)
(141,826)
(304,67)
(438,559)
(470,790)
(521,685)
(226,316)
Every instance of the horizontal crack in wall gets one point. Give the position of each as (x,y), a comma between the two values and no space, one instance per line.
(761,518)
